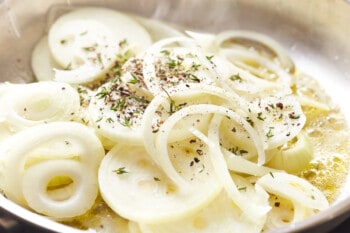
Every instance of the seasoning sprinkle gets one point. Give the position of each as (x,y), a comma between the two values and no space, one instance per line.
(120,171)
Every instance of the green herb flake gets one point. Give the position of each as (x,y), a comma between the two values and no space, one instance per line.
(99,58)
(202,169)
(271,106)
(209,58)
(84,121)
(194,78)
(165,52)
(120,103)
(173,107)
(260,117)
(99,119)
(236,77)
(109,120)
(127,122)
(120,171)
(134,79)
(173,63)
(195,66)
(237,151)
(123,43)
(269,134)
(89,49)
(102,94)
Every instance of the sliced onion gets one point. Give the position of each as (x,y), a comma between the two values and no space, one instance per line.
(26,105)
(137,189)
(258,38)
(85,42)
(43,64)
(116,113)
(22,151)
(295,189)
(187,61)
(74,203)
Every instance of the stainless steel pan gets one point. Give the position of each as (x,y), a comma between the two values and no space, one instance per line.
(315,32)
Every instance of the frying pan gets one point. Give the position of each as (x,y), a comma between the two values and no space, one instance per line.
(316,33)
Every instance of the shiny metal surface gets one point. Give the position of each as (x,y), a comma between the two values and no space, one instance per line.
(316,34)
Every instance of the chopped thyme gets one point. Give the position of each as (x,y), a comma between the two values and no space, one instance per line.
(99,59)
(236,77)
(202,169)
(120,171)
(134,79)
(122,58)
(63,41)
(194,78)
(174,63)
(102,94)
(173,107)
(209,58)
(109,120)
(120,61)
(165,52)
(89,49)
(269,134)
(84,121)
(127,122)
(260,116)
(195,66)
(115,79)
(271,175)
(123,43)
(117,71)
(156,179)
(118,105)
(242,188)
(80,90)
(237,151)
(99,119)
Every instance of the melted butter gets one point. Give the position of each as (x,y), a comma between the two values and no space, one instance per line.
(329,135)
(327,174)
(100,218)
